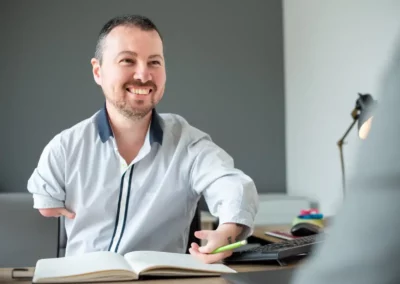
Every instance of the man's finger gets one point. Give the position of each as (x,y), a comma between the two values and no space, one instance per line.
(208,248)
(194,246)
(66,213)
(209,258)
(202,235)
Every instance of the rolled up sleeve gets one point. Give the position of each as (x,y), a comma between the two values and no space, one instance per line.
(230,194)
(47,180)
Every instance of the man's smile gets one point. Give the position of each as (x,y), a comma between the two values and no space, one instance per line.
(140,91)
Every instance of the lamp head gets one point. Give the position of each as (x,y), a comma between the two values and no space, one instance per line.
(365,106)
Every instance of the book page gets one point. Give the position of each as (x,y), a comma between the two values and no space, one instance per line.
(78,265)
(141,261)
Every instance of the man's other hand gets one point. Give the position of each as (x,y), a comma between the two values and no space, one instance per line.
(57,212)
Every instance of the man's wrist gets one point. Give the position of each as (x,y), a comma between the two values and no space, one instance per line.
(231,231)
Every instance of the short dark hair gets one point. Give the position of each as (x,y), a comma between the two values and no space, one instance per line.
(138,21)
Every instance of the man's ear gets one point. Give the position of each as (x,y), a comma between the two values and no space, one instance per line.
(96,70)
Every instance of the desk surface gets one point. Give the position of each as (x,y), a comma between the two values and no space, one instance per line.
(5,276)
(5,273)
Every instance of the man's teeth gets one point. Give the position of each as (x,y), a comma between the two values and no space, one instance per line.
(140,91)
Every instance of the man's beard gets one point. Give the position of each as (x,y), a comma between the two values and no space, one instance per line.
(131,112)
(136,113)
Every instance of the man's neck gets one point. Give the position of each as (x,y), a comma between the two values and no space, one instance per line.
(128,131)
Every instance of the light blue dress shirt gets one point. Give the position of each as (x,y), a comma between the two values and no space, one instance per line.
(149,204)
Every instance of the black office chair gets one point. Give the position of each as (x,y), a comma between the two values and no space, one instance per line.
(194,226)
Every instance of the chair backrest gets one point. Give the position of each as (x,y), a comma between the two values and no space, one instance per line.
(62,240)
(25,235)
(194,226)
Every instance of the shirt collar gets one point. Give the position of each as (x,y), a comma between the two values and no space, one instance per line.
(105,131)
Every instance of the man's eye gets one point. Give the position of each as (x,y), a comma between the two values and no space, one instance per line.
(155,62)
(127,60)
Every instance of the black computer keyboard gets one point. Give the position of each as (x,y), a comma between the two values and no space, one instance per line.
(276,251)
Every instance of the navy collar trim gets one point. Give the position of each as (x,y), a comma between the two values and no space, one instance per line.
(105,131)
(156,131)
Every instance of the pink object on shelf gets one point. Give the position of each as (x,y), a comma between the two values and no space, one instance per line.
(309,211)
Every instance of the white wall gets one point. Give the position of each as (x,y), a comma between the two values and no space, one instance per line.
(333,50)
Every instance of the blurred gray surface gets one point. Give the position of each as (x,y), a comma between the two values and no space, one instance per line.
(25,235)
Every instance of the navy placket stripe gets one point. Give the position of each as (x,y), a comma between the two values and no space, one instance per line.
(126,208)
(119,206)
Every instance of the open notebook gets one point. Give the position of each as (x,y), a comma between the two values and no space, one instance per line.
(109,266)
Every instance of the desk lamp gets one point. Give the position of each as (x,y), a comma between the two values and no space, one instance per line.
(363,112)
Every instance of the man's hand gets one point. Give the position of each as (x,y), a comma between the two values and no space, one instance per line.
(57,212)
(223,235)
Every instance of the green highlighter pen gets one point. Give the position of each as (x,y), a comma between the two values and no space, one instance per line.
(230,246)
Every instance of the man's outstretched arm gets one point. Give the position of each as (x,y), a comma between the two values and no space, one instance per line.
(229,193)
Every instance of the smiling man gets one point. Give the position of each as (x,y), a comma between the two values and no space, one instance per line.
(128,178)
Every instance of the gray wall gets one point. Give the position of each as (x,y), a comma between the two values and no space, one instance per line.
(224,74)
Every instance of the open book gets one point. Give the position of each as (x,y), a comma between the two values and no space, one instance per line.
(109,266)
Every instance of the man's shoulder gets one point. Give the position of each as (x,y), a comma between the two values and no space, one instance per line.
(77,132)
(178,125)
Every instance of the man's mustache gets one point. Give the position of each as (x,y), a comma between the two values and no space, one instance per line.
(141,84)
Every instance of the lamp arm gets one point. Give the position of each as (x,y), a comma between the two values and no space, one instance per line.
(341,141)
(340,145)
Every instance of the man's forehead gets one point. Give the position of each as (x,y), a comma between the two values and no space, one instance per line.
(134,39)
(133,35)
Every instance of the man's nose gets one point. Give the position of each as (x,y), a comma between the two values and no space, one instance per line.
(142,73)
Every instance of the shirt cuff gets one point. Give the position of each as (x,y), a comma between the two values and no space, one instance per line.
(43,202)
(240,217)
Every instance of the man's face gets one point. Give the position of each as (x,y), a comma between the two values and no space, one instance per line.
(132,73)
